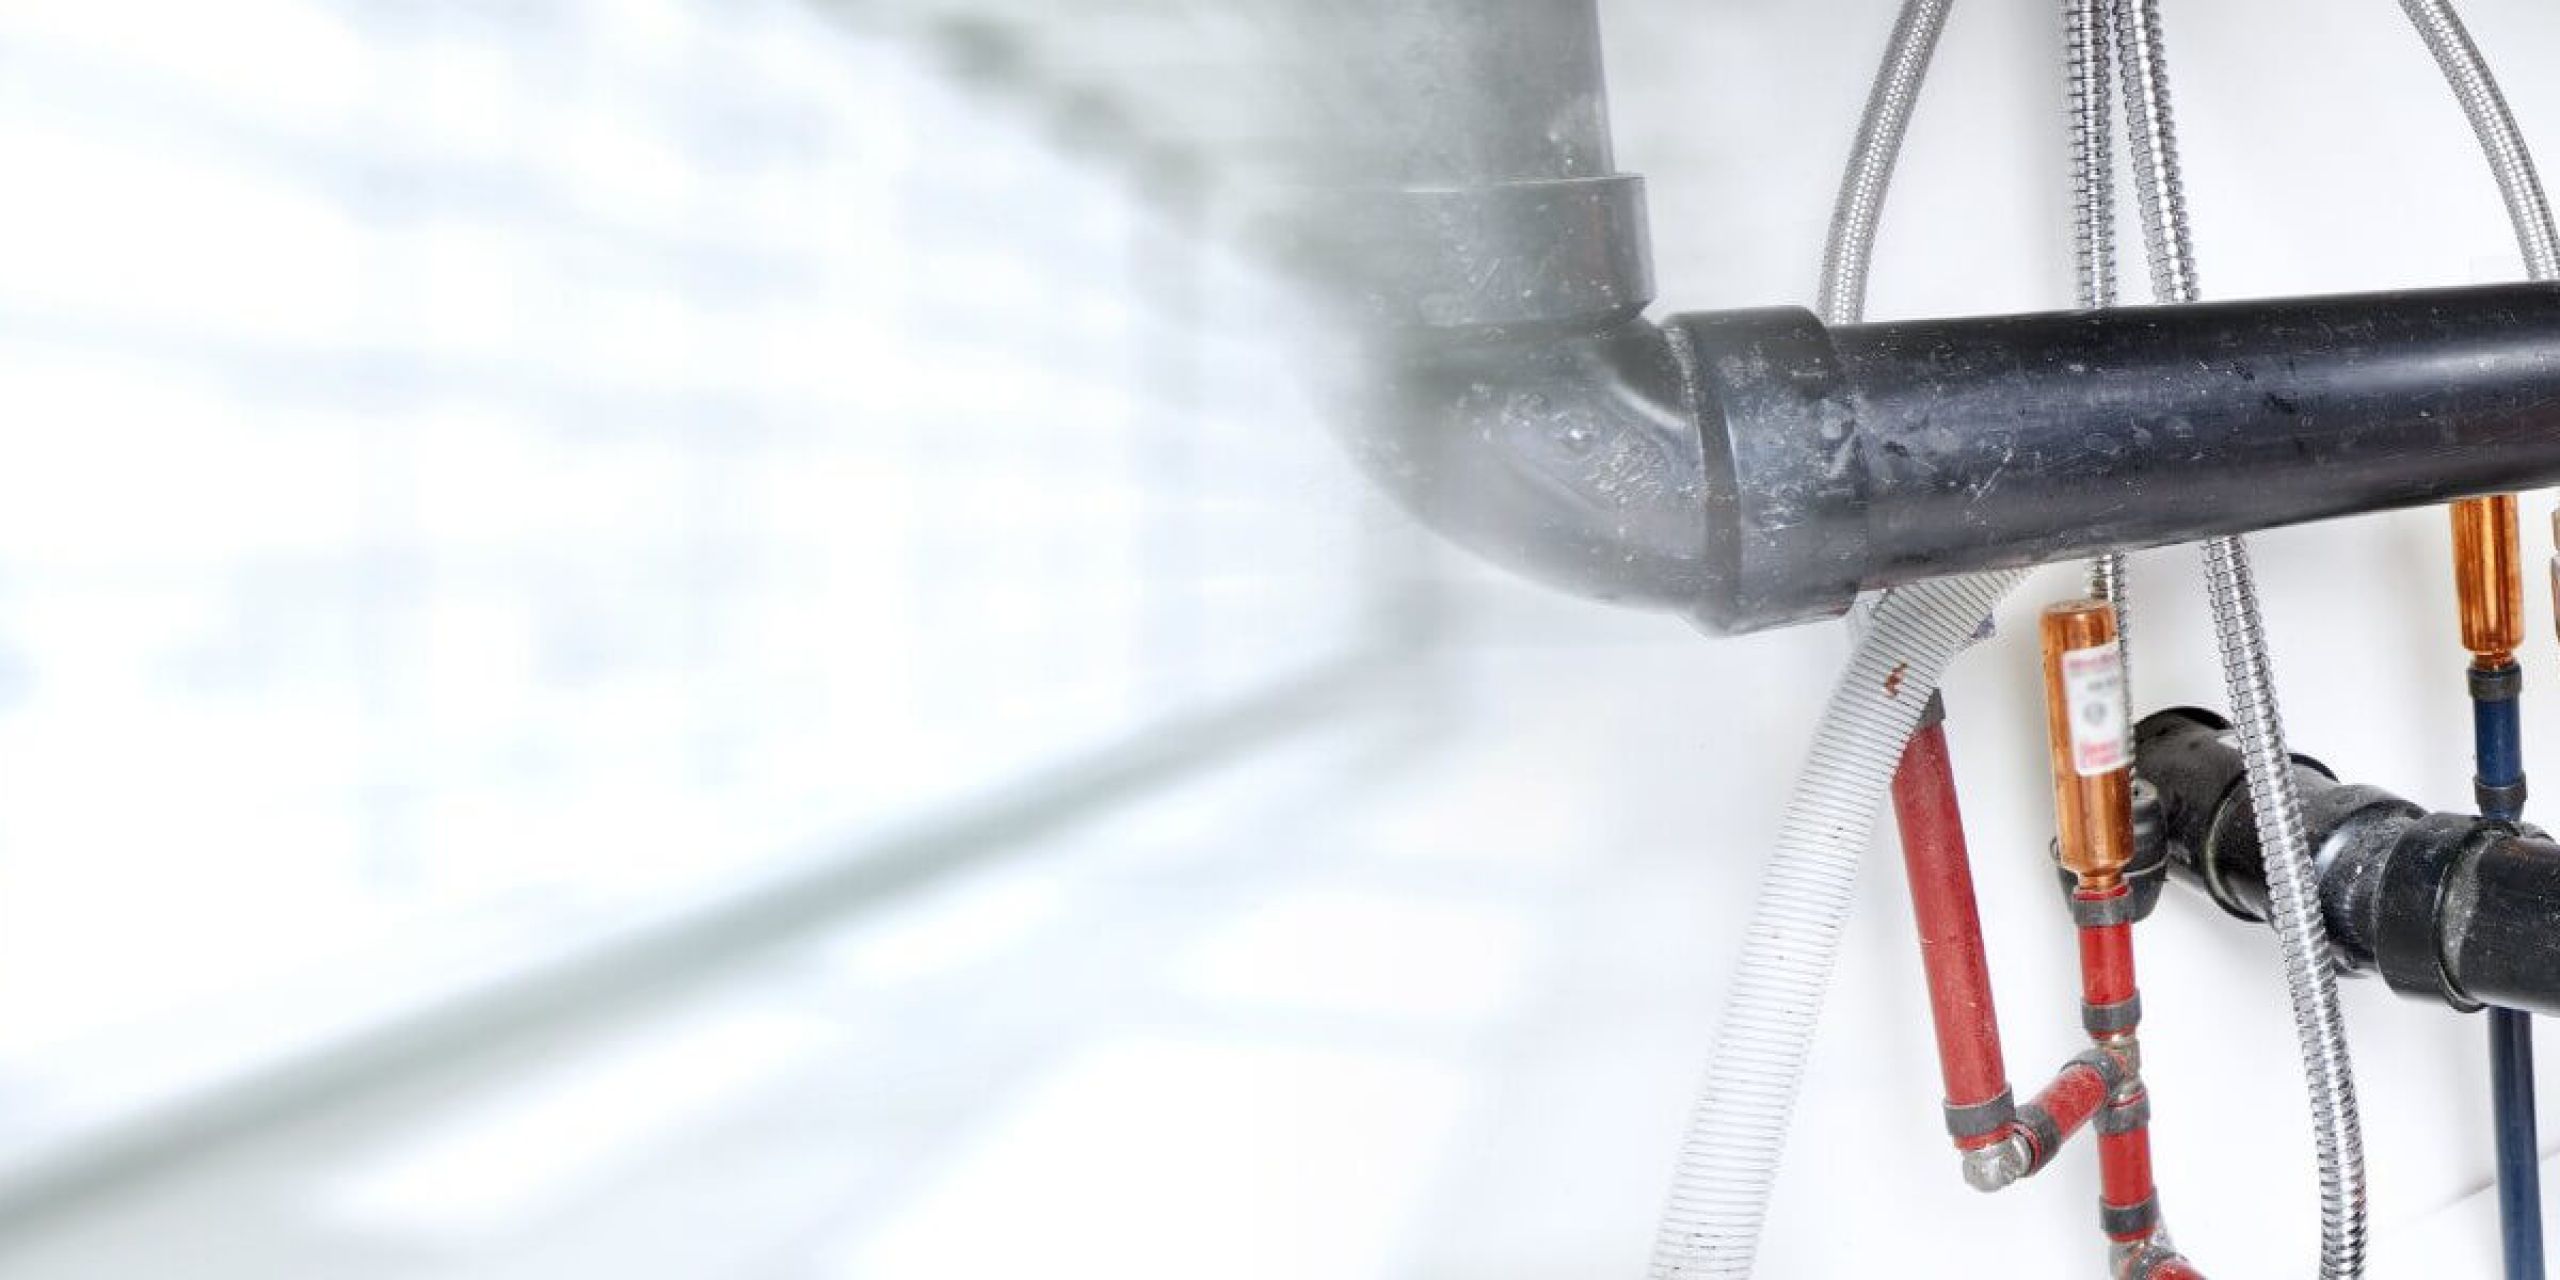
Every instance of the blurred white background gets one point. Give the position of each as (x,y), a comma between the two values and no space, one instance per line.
(668,638)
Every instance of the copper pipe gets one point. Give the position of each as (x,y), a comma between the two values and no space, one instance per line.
(2488,578)
(2085,722)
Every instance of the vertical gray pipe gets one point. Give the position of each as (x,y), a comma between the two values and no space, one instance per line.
(1452,93)
(1502,384)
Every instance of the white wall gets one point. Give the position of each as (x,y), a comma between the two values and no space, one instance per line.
(507,471)
(2323,156)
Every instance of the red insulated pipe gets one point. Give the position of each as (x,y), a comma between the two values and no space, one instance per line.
(2073,1097)
(1942,903)
(2106,960)
(2175,1269)
(2124,1173)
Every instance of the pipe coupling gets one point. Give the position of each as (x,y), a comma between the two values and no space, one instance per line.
(1510,253)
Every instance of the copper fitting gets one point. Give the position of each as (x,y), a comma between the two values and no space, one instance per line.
(2086,722)
(2489,578)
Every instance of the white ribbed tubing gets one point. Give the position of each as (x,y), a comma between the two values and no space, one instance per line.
(1738,1130)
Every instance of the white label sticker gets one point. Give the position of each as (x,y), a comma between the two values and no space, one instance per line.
(2093,694)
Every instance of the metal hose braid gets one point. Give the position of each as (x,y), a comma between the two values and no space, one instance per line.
(2249,681)
(2090,68)
(1728,1164)
(1842,297)
(2500,141)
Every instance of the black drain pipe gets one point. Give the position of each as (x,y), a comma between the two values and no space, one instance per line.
(1754,469)
(2446,907)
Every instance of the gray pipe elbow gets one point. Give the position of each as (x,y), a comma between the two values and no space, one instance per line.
(1712,465)
(1753,469)
(1508,391)
(1569,455)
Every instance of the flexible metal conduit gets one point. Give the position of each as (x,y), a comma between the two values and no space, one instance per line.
(2089,70)
(2249,682)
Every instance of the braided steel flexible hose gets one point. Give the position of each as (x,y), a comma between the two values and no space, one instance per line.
(1855,213)
(2500,141)
(2090,68)
(2249,682)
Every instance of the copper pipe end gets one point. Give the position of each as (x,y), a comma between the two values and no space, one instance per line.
(2488,578)
(2088,728)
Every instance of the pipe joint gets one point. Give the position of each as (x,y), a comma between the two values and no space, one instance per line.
(2448,907)
(1496,255)
(2130,1223)
(2154,1257)
(1995,1166)
(1983,1122)
(2124,1115)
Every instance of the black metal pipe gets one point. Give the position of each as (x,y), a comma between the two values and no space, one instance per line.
(1568,455)
(1878,454)
(1754,469)
(2447,907)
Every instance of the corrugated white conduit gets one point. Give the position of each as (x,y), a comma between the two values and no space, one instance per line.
(1738,1129)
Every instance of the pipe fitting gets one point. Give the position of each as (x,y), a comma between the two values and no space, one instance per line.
(2088,739)
(2488,578)
(2449,907)
(2154,1257)
(1755,469)
(1509,253)
(1995,1166)
(1564,452)
(2118,1063)
(1982,1122)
